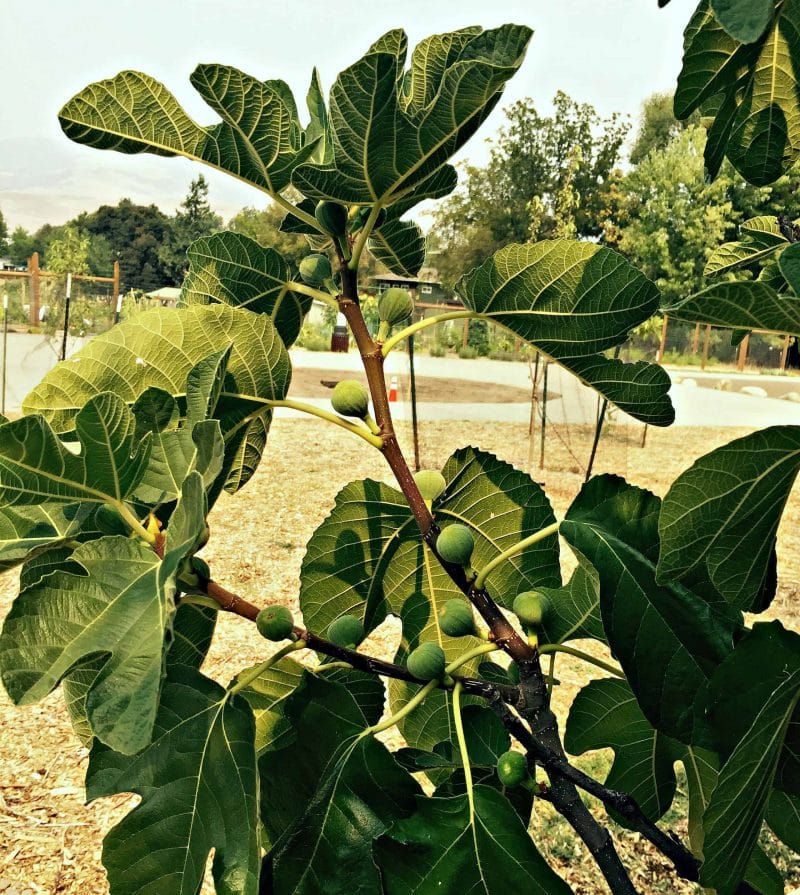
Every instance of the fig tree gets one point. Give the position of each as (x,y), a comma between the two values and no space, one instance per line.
(347,631)
(315,270)
(455,544)
(275,623)
(512,768)
(332,217)
(431,483)
(395,305)
(456,619)
(350,398)
(531,607)
(427,662)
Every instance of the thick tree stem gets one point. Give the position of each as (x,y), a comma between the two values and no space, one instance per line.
(503,633)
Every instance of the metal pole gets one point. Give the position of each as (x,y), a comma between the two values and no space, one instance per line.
(119,308)
(544,415)
(5,351)
(533,370)
(414,427)
(66,317)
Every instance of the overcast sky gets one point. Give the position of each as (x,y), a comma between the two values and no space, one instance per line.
(611,53)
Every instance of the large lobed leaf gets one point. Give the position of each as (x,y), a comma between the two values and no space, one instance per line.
(753,711)
(392,133)
(668,639)
(36,467)
(233,269)
(329,795)
(259,139)
(198,784)
(159,349)
(721,515)
(744,305)
(573,300)
(118,603)
(605,714)
(447,848)
(749,89)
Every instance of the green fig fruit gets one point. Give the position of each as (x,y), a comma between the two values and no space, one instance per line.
(315,270)
(512,768)
(347,631)
(456,619)
(275,623)
(395,305)
(332,217)
(455,544)
(350,398)
(431,483)
(427,662)
(531,607)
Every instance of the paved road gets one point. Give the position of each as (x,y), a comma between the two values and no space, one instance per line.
(698,403)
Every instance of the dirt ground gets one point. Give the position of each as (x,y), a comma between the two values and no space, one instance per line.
(50,842)
(309,382)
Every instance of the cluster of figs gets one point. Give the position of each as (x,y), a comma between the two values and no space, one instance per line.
(455,545)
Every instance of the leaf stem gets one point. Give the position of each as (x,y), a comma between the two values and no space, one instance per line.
(409,707)
(246,679)
(294,286)
(297,212)
(470,655)
(133,522)
(462,748)
(361,239)
(423,324)
(369,437)
(540,535)
(554,648)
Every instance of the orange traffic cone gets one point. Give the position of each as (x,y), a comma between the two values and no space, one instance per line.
(393,389)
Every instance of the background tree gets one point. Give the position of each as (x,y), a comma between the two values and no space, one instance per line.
(530,158)
(193,220)
(3,234)
(658,126)
(134,235)
(675,218)
(69,252)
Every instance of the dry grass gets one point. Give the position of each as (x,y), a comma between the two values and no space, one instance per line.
(50,842)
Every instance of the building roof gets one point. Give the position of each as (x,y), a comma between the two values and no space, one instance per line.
(410,281)
(166,293)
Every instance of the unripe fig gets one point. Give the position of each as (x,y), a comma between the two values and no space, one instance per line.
(431,483)
(427,662)
(531,607)
(456,619)
(275,623)
(315,270)
(395,305)
(455,544)
(512,768)
(347,631)
(332,217)
(350,398)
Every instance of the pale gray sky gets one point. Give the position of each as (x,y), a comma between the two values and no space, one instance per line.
(611,53)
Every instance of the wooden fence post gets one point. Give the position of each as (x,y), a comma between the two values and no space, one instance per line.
(33,270)
(743,353)
(662,345)
(115,290)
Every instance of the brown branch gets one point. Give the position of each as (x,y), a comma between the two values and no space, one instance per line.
(231,602)
(503,633)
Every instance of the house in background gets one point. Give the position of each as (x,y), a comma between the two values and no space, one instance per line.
(425,287)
